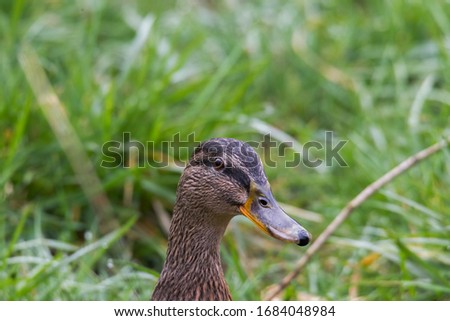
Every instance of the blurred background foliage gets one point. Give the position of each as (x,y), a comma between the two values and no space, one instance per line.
(375,73)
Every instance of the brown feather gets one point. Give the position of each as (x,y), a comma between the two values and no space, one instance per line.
(208,196)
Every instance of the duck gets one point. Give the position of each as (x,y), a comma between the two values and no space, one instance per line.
(223,178)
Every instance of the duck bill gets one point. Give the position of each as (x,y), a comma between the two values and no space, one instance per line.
(263,210)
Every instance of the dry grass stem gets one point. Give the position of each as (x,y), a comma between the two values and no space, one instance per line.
(351,206)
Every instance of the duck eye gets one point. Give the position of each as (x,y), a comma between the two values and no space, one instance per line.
(263,202)
(218,163)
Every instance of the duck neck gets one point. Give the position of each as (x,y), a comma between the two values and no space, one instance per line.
(193,270)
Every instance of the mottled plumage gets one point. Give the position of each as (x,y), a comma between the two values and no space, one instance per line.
(224,177)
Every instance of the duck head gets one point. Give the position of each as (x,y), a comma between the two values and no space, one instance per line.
(226,178)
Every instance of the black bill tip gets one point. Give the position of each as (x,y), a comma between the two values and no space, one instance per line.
(304,238)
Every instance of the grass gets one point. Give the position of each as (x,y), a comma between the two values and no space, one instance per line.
(374,73)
